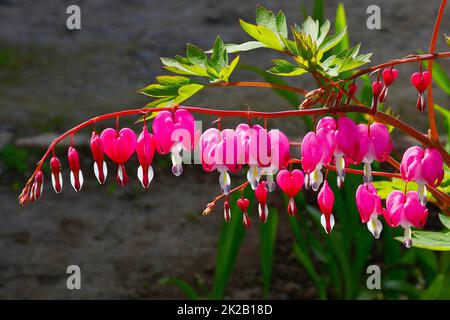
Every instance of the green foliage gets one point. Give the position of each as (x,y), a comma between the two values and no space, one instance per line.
(267,237)
(14,159)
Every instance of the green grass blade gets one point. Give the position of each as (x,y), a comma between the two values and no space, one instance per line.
(185,287)
(268,235)
(340,23)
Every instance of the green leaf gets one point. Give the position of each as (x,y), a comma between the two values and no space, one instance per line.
(436,289)
(385,187)
(228,70)
(265,17)
(340,25)
(246,46)
(440,77)
(176,81)
(282,24)
(187,91)
(175,66)
(195,55)
(331,41)
(230,239)
(263,34)
(431,240)
(285,68)
(324,29)
(445,220)
(447,39)
(318,11)
(219,57)
(157,90)
(185,287)
(446,123)
(267,236)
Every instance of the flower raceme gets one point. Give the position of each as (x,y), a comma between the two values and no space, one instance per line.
(421,81)
(266,153)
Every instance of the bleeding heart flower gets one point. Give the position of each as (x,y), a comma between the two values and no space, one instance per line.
(173,133)
(243,204)
(368,203)
(226,211)
(100,168)
(377,87)
(374,144)
(145,149)
(389,75)
(325,198)
(55,168)
(261,196)
(291,183)
(76,176)
(317,150)
(37,186)
(421,80)
(119,146)
(424,166)
(405,211)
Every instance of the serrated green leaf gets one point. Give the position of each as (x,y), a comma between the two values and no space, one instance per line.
(177,81)
(265,17)
(157,90)
(340,25)
(285,68)
(263,34)
(186,92)
(195,55)
(333,40)
(175,66)
(445,221)
(431,240)
(324,29)
(281,24)
(219,57)
(228,70)
(385,187)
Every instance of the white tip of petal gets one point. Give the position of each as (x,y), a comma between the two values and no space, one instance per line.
(253,176)
(177,170)
(76,181)
(407,238)
(225,182)
(316,179)
(271,185)
(150,174)
(97,172)
(422,191)
(263,212)
(375,226)
(60,183)
(307,181)
(323,222)
(340,166)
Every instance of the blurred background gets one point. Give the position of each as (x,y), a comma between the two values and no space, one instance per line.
(135,243)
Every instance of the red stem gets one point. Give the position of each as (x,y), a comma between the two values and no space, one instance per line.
(431,119)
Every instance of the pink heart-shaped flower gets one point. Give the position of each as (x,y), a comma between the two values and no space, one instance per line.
(389,76)
(421,80)
(290,182)
(119,146)
(243,204)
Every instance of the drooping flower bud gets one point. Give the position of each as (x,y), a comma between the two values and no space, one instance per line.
(389,75)
(38,185)
(377,86)
(145,150)
(325,198)
(100,168)
(261,196)
(243,204)
(55,168)
(226,211)
(421,81)
(76,176)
